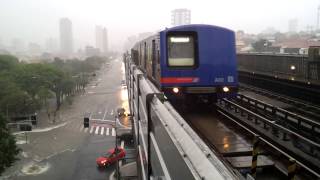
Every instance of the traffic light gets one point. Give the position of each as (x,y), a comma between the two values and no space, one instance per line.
(86,122)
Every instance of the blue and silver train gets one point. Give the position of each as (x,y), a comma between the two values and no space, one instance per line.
(190,61)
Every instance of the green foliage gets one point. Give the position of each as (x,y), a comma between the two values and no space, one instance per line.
(26,87)
(7,62)
(8,148)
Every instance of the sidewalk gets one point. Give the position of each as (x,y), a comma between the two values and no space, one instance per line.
(46,124)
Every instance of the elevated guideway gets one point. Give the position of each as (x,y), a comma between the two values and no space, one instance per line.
(167,147)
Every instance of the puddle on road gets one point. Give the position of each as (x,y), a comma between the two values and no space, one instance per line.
(35,169)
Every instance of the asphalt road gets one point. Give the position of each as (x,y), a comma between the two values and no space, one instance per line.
(68,150)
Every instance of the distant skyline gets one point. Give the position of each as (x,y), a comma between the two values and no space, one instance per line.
(38,20)
(66,36)
(102,39)
(180,17)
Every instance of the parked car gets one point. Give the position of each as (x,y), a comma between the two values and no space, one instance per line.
(111,157)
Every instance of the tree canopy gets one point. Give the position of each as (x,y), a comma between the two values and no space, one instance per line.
(26,88)
(8,148)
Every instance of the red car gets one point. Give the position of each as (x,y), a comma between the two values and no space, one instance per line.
(111,157)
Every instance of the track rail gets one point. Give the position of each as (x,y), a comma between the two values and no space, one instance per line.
(295,122)
(268,149)
(305,151)
(302,107)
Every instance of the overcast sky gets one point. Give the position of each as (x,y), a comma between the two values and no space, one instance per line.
(36,20)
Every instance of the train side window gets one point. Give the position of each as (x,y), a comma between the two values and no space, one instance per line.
(181,51)
(154,65)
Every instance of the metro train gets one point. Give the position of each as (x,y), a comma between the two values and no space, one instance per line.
(190,62)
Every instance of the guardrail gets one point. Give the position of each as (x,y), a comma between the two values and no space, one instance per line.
(166,146)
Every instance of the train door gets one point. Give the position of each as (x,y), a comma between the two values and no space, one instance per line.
(154,60)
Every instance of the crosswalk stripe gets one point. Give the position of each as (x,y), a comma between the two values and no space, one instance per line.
(122,146)
(86,130)
(113,132)
(91,130)
(97,129)
(107,133)
(102,130)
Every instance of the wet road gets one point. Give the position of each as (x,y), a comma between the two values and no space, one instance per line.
(68,150)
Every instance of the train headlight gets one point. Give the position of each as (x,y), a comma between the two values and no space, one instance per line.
(225,89)
(175,90)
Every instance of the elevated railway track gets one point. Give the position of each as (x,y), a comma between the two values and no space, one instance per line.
(298,106)
(237,138)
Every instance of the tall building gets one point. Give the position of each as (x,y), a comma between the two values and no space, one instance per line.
(180,17)
(102,39)
(318,18)
(66,36)
(293,25)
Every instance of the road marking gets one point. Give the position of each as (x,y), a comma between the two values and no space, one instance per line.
(102,130)
(122,146)
(111,112)
(107,132)
(91,130)
(101,120)
(113,132)
(105,113)
(81,127)
(86,130)
(97,129)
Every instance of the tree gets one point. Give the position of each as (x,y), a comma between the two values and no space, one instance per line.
(8,147)
(7,62)
(13,100)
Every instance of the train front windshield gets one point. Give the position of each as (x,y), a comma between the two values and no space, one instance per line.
(181,51)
